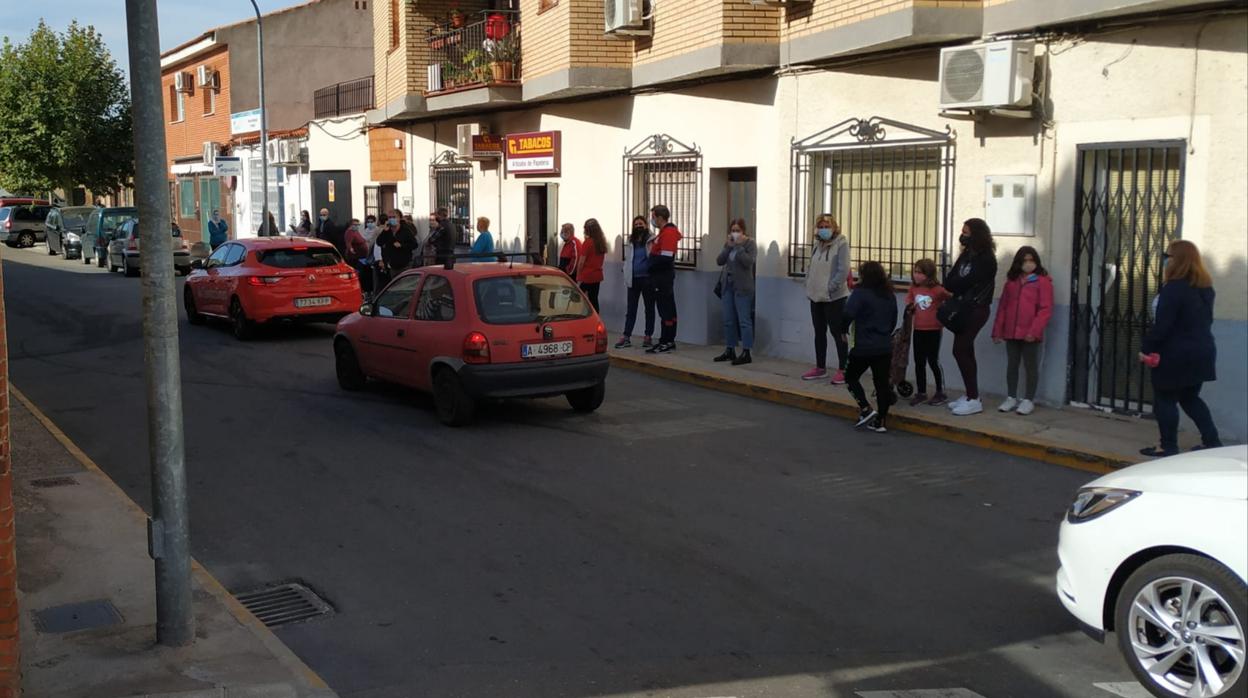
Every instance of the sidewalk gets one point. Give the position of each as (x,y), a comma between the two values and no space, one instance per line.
(81,539)
(1086,439)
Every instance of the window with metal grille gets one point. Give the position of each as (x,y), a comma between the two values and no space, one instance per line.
(452,190)
(372,202)
(889,185)
(662,170)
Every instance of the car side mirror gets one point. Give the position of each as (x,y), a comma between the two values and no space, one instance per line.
(197,264)
(366,309)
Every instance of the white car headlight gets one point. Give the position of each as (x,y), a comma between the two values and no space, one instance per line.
(72,237)
(1092,502)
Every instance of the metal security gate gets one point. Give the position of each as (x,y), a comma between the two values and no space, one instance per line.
(452,190)
(1128,209)
(662,170)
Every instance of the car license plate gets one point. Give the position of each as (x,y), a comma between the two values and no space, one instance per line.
(312,302)
(546,350)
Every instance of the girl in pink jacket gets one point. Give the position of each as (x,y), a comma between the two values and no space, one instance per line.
(1023,311)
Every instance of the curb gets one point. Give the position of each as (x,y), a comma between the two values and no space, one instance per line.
(1012,444)
(280,651)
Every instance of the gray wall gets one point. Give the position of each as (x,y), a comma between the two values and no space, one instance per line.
(306,47)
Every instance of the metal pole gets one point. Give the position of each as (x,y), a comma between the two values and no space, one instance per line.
(168,529)
(264,123)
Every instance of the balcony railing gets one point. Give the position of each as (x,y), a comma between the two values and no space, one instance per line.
(484,49)
(350,97)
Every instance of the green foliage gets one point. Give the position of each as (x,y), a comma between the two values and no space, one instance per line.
(64,113)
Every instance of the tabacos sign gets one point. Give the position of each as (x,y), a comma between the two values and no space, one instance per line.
(536,153)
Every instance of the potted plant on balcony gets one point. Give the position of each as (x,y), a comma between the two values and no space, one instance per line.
(457,17)
(477,65)
(504,53)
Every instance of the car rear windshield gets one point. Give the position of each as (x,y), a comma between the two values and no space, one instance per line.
(74,219)
(111,222)
(526,298)
(300,257)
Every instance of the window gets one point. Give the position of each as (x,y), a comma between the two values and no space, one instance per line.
(394,24)
(301,257)
(521,300)
(663,171)
(210,97)
(452,190)
(396,300)
(186,198)
(217,258)
(73,220)
(235,255)
(177,109)
(437,301)
(892,199)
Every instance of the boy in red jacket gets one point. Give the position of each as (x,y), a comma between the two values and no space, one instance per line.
(1024,310)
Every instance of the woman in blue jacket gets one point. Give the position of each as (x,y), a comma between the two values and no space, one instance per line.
(1180,348)
(872,310)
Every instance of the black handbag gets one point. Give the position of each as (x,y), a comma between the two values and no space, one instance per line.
(719,289)
(952,314)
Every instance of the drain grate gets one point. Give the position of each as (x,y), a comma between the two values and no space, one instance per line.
(53,481)
(284,604)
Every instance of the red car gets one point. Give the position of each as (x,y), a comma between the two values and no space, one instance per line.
(478,331)
(265,280)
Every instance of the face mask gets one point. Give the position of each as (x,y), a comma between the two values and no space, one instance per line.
(566,236)
(919,278)
(735,236)
(1029,267)
(324,218)
(654,223)
(216,218)
(824,234)
(964,239)
(393,221)
(639,230)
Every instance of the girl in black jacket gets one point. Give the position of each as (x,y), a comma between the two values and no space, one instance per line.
(872,310)
(972,280)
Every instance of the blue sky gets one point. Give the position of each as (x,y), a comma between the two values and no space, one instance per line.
(180,20)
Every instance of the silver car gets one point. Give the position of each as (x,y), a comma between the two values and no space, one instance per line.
(125,256)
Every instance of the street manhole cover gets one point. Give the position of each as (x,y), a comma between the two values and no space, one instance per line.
(99,613)
(284,604)
(53,481)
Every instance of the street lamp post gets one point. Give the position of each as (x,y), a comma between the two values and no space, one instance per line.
(264,124)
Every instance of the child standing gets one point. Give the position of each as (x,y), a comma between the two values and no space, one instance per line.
(872,309)
(923,301)
(1022,314)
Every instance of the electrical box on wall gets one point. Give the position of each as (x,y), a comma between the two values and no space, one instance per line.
(1010,204)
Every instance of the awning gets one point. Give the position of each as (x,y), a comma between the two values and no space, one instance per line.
(189,168)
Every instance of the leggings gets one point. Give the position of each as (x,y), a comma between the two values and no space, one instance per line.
(964,349)
(591,290)
(927,354)
(1029,352)
(1166,405)
(826,317)
(880,366)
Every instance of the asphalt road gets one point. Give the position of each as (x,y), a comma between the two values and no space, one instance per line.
(679,542)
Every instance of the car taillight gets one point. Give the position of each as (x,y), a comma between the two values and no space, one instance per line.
(347,276)
(476,349)
(600,339)
(263,280)
(132,244)
(8,224)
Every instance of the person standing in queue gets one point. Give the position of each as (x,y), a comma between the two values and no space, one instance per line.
(637,281)
(483,246)
(358,254)
(329,231)
(971,281)
(398,244)
(663,276)
(589,266)
(872,310)
(305,224)
(827,287)
(736,291)
(442,235)
(218,230)
(570,251)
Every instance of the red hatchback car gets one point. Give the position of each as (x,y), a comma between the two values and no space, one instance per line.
(264,280)
(478,331)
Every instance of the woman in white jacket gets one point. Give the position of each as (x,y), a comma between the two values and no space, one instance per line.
(827,287)
(636,273)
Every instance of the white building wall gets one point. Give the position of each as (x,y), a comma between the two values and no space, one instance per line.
(342,144)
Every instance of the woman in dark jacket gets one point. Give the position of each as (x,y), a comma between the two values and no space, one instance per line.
(971,282)
(1180,349)
(872,310)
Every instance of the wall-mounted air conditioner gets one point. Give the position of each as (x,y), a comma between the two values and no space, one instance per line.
(205,76)
(272,150)
(210,152)
(991,75)
(182,82)
(463,138)
(625,17)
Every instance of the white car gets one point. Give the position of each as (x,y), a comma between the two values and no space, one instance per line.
(1158,554)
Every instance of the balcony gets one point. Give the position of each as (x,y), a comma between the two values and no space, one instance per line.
(474,60)
(350,97)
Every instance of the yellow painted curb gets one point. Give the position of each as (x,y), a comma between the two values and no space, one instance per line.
(1012,444)
(210,583)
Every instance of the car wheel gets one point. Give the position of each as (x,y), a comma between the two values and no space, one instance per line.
(455,407)
(588,399)
(26,239)
(192,312)
(350,375)
(243,328)
(127,269)
(1180,626)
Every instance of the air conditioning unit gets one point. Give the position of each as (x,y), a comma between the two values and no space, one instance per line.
(625,17)
(182,82)
(205,76)
(273,151)
(210,152)
(996,74)
(464,134)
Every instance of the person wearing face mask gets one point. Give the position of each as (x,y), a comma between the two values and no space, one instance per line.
(569,250)
(637,281)
(305,224)
(1024,310)
(923,301)
(329,231)
(218,230)
(827,288)
(663,276)
(396,245)
(971,281)
(736,291)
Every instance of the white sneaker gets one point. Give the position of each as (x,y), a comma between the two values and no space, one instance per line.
(956,403)
(1009,405)
(968,408)
(1026,407)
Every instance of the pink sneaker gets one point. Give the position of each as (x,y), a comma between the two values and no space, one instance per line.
(838,378)
(815,374)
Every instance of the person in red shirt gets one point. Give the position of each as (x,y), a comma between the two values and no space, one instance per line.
(589,267)
(663,276)
(570,252)
(923,300)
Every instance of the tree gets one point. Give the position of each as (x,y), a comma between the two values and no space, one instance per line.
(64,114)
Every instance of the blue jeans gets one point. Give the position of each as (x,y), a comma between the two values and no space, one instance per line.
(738,318)
(641,290)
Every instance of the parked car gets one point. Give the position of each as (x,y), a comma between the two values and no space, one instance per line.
(1158,554)
(102,225)
(22,224)
(259,281)
(125,253)
(65,227)
(478,331)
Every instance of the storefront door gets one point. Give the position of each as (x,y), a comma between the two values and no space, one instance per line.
(209,199)
(541,210)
